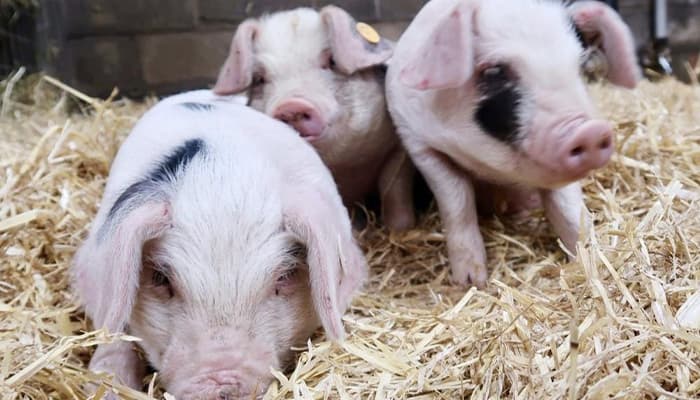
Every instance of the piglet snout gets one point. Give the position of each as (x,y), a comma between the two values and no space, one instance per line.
(589,147)
(215,392)
(229,392)
(302,116)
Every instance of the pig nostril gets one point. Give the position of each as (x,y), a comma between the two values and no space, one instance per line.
(306,116)
(228,394)
(577,151)
(605,143)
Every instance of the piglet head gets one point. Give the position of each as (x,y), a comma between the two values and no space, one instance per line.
(218,292)
(312,70)
(516,68)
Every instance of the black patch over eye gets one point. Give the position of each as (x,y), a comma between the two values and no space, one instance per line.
(497,111)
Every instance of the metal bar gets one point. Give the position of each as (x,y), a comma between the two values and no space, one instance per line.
(660,19)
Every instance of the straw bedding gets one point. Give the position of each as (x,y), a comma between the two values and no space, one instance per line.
(621,321)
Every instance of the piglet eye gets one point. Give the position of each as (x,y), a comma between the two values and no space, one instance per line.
(285,280)
(161,281)
(258,80)
(496,78)
(288,275)
(495,72)
(327,60)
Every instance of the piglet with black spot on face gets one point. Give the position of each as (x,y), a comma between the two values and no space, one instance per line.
(323,75)
(488,97)
(221,242)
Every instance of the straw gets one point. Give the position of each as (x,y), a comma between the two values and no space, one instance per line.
(620,321)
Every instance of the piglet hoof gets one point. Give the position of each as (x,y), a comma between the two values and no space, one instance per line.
(470,274)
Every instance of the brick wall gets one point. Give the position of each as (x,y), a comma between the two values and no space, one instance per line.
(164,46)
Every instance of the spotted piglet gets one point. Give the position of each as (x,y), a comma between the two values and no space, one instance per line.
(488,93)
(221,242)
(323,74)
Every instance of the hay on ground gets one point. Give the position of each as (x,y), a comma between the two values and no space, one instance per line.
(622,321)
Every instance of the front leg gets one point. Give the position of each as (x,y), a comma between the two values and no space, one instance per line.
(396,191)
(121,360)
(454,193)
(563,209)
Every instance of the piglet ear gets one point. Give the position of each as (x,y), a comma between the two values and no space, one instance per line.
(237,73)
(106,269)
(337,266)
(445,57)
(353,51)
(598,22)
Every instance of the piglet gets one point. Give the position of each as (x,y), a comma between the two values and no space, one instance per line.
(488,93)
(221,241)
(323,74)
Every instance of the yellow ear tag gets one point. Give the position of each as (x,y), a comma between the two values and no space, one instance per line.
(368,33)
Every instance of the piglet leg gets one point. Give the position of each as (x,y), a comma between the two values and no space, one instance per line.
(563,208)
(121,360)
(454,193)
(396,189)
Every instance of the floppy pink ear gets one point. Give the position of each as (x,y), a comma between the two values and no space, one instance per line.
(337,266)
(445,57)
(237,73)
(596,19)
(107,267)
(351,51)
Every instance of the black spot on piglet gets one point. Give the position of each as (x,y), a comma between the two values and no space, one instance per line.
(178,159)
(165,170)
(497,112)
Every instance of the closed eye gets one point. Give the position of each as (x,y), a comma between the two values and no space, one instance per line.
(286,280)
(161,282)
(289,274)
(258,80)
(327,60)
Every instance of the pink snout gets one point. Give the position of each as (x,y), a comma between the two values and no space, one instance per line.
(222,385)
(302,116)
(589,147)
(225,392)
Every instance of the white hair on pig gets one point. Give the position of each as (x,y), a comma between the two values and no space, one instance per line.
(220,256)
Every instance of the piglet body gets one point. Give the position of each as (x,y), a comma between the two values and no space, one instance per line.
(219,242)
(489,102)
(314,71)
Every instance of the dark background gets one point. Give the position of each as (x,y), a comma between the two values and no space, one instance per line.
(163,46)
